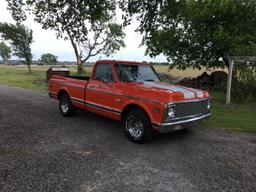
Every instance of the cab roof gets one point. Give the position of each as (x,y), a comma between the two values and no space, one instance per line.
(122,62)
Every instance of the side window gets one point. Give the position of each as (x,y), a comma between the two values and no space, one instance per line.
(103,73)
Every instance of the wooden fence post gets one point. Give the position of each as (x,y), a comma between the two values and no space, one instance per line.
(229,82)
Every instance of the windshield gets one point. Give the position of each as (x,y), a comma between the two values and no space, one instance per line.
(135,73)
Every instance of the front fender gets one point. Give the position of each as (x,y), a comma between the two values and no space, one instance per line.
(155,117)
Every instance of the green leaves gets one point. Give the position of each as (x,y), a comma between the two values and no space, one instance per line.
(114,39)
(20,38)
(194,33)
(89,25)
(5,52)
(49,58)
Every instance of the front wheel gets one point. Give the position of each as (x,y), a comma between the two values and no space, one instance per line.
(66,107)
(138,127)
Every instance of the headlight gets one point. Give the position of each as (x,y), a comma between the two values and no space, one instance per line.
(171,112)
(209,105)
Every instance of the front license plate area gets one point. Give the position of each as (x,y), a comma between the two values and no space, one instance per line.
(177,127)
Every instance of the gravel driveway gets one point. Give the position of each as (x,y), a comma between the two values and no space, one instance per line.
(42,151)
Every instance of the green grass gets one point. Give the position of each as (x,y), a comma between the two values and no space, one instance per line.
(19,77)
(237,117)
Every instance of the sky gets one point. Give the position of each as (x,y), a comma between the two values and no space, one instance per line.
(45,41)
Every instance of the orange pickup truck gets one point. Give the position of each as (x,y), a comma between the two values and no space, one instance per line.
(131,92)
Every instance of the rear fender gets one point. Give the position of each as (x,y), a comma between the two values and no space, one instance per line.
(62,91)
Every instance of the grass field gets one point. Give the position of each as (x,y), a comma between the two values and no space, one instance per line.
(20,77)
(184,73)
(233,118)
(237,117)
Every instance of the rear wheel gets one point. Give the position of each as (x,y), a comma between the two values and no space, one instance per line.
(66,107)
(138,127)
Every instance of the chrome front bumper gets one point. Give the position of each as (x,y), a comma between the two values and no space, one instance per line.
(181,123)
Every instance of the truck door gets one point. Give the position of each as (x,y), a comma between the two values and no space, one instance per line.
(99,91)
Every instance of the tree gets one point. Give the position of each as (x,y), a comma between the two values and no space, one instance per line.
(194,33)
(5,52)
(20,38)
(49,58)
(88,25)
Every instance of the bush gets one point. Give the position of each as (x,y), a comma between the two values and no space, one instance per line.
(244,83)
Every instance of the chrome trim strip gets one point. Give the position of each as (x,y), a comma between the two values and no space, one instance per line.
(196,118)
(70,85)
(104,109)
(76,99)
(53,93)
(97,106)
(103,106)
(118,100)
(185,117)
(93,89)
(187,101)
(117,113)
(75,86)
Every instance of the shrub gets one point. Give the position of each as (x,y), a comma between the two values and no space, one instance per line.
(244,83)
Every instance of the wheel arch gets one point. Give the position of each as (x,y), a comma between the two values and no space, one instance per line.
(133,106)
(62,92)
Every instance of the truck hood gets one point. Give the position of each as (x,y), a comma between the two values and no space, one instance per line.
(162,92)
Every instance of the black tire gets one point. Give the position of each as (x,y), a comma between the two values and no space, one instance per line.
(66,107)
(145,132)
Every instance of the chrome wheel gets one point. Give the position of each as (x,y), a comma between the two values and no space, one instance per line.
(64,107)
(134,126)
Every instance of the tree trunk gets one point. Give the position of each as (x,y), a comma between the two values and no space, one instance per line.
(5,61)
(79,64)
(29,68)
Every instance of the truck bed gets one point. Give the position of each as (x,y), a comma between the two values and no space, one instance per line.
(75,87)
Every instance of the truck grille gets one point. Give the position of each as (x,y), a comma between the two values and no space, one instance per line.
(193,108)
